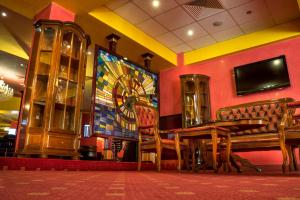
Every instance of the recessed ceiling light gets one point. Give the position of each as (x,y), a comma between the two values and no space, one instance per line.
(217,23)
(89,53)
(14,112)
(155,3)
(3,14)
(190,32)
(249,12)
(22,65)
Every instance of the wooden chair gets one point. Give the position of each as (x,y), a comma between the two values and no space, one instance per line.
(292,135)
(147,120)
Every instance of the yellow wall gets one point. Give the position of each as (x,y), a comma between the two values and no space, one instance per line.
(9,44)
(118,23)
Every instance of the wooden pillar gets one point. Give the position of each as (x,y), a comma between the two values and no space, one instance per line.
(112,42)
(55,11)
(147,60)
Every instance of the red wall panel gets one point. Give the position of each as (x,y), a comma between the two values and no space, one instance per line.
(222,86)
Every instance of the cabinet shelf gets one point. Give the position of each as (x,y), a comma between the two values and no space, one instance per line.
(62,78)
(69,56)
(46,51)
(59,105)
(40,102)
(73,81)
(188,105)
(188,92)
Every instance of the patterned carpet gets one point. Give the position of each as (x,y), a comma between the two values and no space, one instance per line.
(150,185)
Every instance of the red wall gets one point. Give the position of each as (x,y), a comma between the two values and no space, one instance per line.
(220,71)
(222,86)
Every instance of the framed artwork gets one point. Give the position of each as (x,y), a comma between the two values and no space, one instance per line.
(118,84)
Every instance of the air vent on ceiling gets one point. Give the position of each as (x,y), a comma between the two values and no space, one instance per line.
(195,7)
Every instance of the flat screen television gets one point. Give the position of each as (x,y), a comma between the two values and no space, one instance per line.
(263,75)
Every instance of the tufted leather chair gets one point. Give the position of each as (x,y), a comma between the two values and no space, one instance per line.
(272,136)
(292,134)
(150,140)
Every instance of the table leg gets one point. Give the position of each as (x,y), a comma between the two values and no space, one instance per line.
(214,147)
(177,144)
(192,145)
(228,151)
(244,162)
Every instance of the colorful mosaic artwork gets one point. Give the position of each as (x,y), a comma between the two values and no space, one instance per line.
(119,84)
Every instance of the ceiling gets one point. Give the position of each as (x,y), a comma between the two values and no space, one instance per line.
(12,71)
(170,22)
(20,22)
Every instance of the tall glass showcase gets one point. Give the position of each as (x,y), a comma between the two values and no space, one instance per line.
(50,121)
(195,99)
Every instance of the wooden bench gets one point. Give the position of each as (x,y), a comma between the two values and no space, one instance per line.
(270,137)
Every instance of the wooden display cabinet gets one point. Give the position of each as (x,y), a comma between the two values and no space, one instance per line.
(195,99)
(50,122)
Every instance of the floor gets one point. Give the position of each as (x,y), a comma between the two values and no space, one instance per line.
(132,185)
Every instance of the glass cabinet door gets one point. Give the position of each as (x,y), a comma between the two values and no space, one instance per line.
(67,83)
(43,65)
(195,99)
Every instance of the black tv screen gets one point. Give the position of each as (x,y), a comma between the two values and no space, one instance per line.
(263,75)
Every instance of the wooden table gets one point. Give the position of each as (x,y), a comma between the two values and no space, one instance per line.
(214,130)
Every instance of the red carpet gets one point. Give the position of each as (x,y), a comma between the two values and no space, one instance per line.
(146,185)
(13,163)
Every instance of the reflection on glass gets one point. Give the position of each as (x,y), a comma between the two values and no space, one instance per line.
(74,70)
(71,97)
(48,38)
(61,91)
(66,44)
(44,64)
(41,88)
(76,46)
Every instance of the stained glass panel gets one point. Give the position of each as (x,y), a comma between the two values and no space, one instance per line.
(119,84)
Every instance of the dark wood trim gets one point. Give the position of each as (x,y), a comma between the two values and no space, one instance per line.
(170,122)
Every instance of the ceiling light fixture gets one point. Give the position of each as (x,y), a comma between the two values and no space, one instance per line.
(3,14)
(190,32)
(5,90)
(14,112)
(125,58)
(155,3)
(217,23)
(89,53)
(249,12)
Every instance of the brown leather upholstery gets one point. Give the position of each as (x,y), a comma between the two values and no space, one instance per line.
(271,136)
(270,110)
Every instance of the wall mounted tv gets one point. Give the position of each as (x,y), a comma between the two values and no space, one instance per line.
(263,75)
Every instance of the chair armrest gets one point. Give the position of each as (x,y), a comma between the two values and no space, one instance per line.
(295,104)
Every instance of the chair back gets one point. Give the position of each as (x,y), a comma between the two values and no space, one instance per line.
(146,118)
